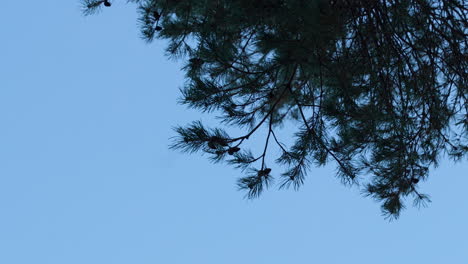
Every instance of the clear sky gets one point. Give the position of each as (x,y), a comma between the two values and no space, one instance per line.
(86,177)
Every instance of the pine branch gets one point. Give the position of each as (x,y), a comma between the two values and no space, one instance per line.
(384,85)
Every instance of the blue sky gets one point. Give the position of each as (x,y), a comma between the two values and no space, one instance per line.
(86,176)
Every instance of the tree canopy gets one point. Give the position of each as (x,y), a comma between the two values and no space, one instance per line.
(378,87)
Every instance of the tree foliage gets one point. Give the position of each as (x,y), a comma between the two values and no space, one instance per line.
(378,87)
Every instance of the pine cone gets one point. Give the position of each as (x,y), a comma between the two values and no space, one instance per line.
(233,150)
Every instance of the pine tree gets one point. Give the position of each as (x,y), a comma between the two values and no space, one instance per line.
(377,87)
